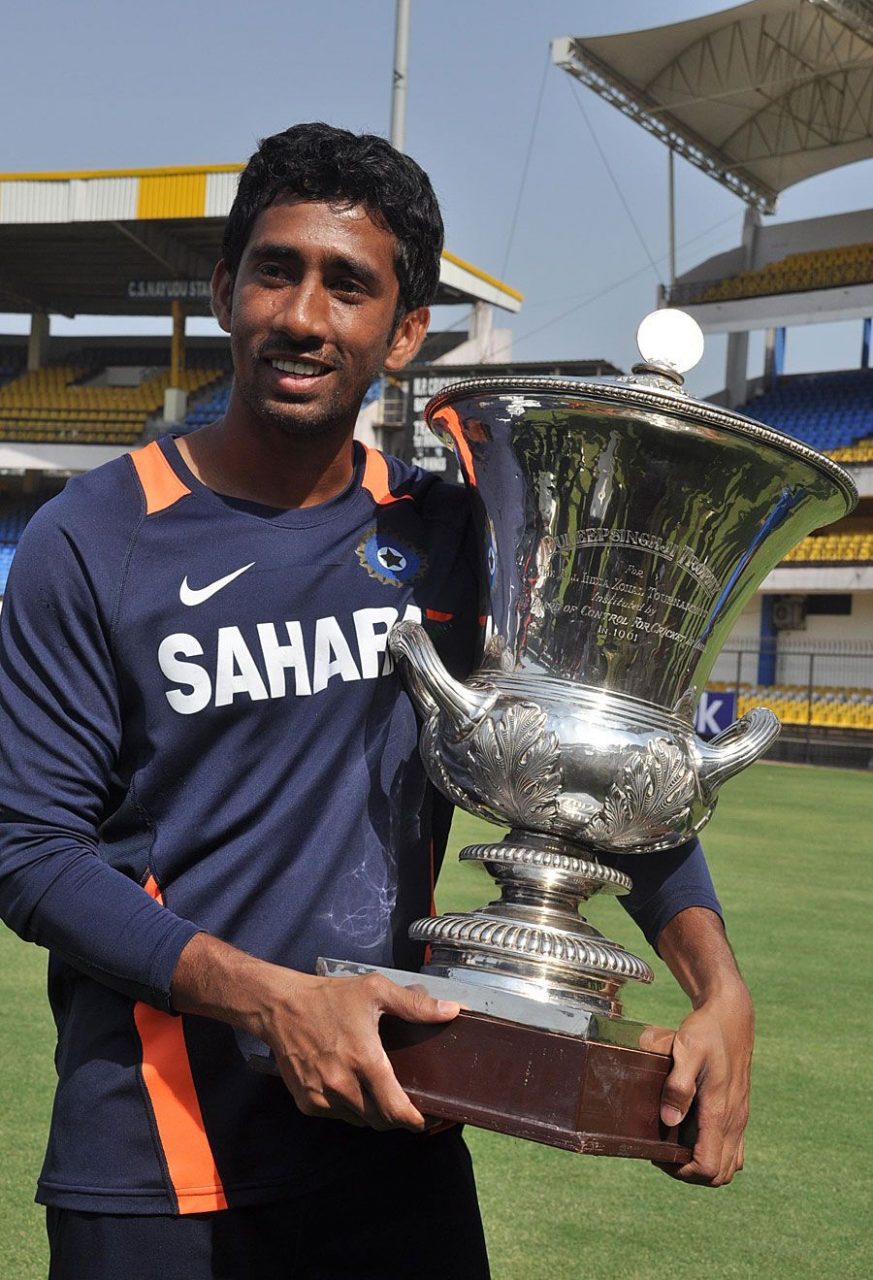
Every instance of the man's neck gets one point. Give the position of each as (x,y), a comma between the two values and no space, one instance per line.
(267,465)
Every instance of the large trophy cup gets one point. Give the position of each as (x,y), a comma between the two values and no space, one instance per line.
(622,528)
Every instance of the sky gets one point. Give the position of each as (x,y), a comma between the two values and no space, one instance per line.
(541,183)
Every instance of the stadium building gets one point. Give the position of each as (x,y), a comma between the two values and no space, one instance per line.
(760,97)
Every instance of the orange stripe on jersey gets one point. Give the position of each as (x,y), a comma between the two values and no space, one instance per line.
(166,1073)
(448,419)
(160,484)
(375,479)
(152,888)
(435,616)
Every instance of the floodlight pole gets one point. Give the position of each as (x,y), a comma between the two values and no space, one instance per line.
(401,60)
(671,201)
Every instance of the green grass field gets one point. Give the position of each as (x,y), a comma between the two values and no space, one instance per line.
(788,850)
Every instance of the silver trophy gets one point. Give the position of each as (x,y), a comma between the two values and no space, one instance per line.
(622,527)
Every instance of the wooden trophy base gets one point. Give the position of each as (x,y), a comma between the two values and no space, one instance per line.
(583,1095)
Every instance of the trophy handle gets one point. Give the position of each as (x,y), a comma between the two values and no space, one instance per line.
(430,686)
(736,746)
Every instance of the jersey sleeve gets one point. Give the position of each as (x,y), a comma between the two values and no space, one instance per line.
(60,732)
(664,884)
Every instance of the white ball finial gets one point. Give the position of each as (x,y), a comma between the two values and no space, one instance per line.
(670,338)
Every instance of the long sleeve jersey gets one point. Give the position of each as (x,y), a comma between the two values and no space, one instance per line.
(202,730)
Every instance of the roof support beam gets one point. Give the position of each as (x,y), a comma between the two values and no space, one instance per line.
(569,55)
(173,256)
(759,96)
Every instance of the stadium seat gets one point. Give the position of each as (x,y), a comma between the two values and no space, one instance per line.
(795,273)
(845,708)
(59,404)
(832,412)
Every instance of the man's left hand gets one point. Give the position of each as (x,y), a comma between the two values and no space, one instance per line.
(712,1050)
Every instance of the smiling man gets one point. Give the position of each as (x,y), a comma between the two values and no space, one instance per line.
(209,777)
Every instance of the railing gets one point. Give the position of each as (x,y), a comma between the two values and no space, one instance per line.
(822,692)
(694,291)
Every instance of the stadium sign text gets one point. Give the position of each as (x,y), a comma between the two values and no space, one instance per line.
(149,290)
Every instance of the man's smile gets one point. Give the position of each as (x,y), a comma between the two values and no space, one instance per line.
(297,377)
(300,368)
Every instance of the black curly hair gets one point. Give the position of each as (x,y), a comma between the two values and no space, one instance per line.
(318,162)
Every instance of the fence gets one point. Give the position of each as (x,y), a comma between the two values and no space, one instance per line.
(822,693)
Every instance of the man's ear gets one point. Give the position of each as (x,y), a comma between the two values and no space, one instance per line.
(222,294)
(407,338)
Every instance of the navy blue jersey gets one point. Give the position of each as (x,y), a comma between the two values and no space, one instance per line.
(202,730)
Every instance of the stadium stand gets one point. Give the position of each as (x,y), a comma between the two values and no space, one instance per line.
(208,407)
(862,452)
(828,411)
(854,547)
(70,402)
(826,707)
(795,273)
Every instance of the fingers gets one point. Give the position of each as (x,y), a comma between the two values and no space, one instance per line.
(708,1167)
(704,1074)
(718,1145)
(679,1087)
(331,1057)
(657,1039)
(413,1004)
(364,1095)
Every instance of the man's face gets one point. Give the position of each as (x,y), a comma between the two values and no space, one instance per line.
(311,314)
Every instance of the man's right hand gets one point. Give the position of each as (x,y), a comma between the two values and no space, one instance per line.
(324,1032)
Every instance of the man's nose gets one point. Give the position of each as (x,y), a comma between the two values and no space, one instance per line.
(304,312)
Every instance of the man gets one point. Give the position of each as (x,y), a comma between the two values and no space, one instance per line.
(209,776)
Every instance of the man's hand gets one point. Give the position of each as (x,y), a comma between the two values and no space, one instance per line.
(712,1049)
(324,1032)
(329,1053)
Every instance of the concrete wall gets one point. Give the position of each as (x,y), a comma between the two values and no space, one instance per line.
(776,240)
(745,635)
(843,649)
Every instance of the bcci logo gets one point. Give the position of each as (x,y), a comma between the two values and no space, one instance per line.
(390,560)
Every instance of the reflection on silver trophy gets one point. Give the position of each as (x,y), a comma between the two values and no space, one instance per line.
(622,528)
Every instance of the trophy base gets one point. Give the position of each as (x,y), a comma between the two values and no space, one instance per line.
(564,1077)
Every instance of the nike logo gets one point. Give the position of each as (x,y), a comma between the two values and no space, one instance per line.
(197,595)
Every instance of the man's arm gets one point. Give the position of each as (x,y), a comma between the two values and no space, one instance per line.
(324,1032)
(712,1049)
(60,739)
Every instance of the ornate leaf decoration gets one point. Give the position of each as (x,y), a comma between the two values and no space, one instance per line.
(515,763)
(654,796)
(439,774)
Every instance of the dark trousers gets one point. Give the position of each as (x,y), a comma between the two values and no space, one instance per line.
(413,1216)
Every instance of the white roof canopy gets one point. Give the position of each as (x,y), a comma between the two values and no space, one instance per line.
(759,96)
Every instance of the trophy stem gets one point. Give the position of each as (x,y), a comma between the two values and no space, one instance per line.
(531,940)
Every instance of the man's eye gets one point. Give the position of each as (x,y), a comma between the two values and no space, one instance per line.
(348,285)
(271,269)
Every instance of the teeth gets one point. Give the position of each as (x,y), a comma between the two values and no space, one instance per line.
(297,367)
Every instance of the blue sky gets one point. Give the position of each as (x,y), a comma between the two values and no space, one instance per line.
(116,85)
